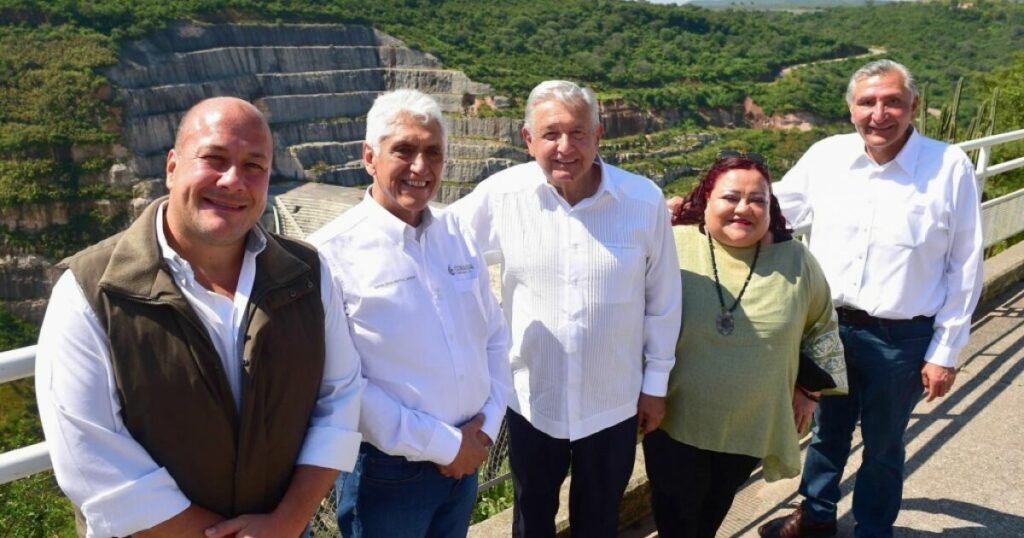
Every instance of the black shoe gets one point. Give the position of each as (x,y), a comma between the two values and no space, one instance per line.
(796,525)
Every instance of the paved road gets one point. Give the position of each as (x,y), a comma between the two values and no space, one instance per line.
(965,453)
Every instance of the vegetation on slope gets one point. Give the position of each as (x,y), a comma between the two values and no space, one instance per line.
(939,41)
(50,102)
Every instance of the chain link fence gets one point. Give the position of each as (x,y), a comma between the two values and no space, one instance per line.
(494,471)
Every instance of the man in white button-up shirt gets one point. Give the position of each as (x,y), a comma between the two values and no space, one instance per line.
(167,385)
(895,224)
(591,288)
(431,336)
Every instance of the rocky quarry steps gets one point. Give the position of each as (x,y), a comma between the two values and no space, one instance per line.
(315,83)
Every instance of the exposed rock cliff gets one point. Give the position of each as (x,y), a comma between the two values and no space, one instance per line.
(755,117)
(314,82)
(25,281)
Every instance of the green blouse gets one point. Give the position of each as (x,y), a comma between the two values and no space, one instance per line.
(734,393)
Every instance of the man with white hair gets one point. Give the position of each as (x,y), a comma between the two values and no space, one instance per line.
(591,289)
(895,224)
(433,343)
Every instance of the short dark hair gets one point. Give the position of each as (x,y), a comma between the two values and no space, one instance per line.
(694,204)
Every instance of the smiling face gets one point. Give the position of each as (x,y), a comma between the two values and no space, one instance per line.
(737,209)
(217,175)
(407,170)
(881,110)
(565,143)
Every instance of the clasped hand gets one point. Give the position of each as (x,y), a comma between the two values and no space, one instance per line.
(472,451)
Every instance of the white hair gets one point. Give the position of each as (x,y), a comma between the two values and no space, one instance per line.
(881,67)
(388,109)
(565,92)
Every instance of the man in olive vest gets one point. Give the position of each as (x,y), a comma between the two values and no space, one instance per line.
(195,373)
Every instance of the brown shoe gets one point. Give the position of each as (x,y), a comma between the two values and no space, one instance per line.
(795,525)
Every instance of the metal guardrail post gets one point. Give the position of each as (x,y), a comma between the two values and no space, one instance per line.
(981,170)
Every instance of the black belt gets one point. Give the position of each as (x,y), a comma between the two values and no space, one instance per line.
(852,316)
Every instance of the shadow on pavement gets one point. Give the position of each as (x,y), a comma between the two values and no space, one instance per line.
(991,522)
(978,520)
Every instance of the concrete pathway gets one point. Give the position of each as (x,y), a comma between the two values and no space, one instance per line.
(965,452)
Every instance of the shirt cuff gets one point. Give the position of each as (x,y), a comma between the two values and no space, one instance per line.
(444,444)
(136,506)
(332,448)
(655,383)
(492,420)
(942,356)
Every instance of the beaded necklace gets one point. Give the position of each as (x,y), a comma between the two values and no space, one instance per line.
(724,322)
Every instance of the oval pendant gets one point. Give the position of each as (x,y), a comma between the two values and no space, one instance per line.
(725,323)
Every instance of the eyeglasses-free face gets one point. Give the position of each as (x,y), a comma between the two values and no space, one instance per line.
(737,212)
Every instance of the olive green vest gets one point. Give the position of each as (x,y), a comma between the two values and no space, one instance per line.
(175,398)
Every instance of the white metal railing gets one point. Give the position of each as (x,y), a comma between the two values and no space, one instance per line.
(21,462)
(1002,217)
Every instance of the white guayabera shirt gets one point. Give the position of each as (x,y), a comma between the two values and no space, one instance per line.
(591,291)
(897,240)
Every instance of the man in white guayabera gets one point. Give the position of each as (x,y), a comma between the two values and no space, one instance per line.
(591,289)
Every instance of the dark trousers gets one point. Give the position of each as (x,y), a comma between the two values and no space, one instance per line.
(601,465)
(691,488)
(884,368)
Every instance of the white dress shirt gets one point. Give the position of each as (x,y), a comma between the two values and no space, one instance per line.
(897,240)
(118,486)
(591,291)
(432,339)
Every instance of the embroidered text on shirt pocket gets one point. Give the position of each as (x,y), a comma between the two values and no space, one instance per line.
(463,275)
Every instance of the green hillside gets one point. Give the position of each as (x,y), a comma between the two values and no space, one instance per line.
(673,60)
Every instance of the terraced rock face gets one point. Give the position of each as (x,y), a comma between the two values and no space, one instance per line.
(314,82)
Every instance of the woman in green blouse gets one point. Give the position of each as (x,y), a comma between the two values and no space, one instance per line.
(753,300)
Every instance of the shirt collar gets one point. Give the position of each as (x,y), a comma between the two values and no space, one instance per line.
(393,227)
(906,159)
(255,242)
(609,184)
